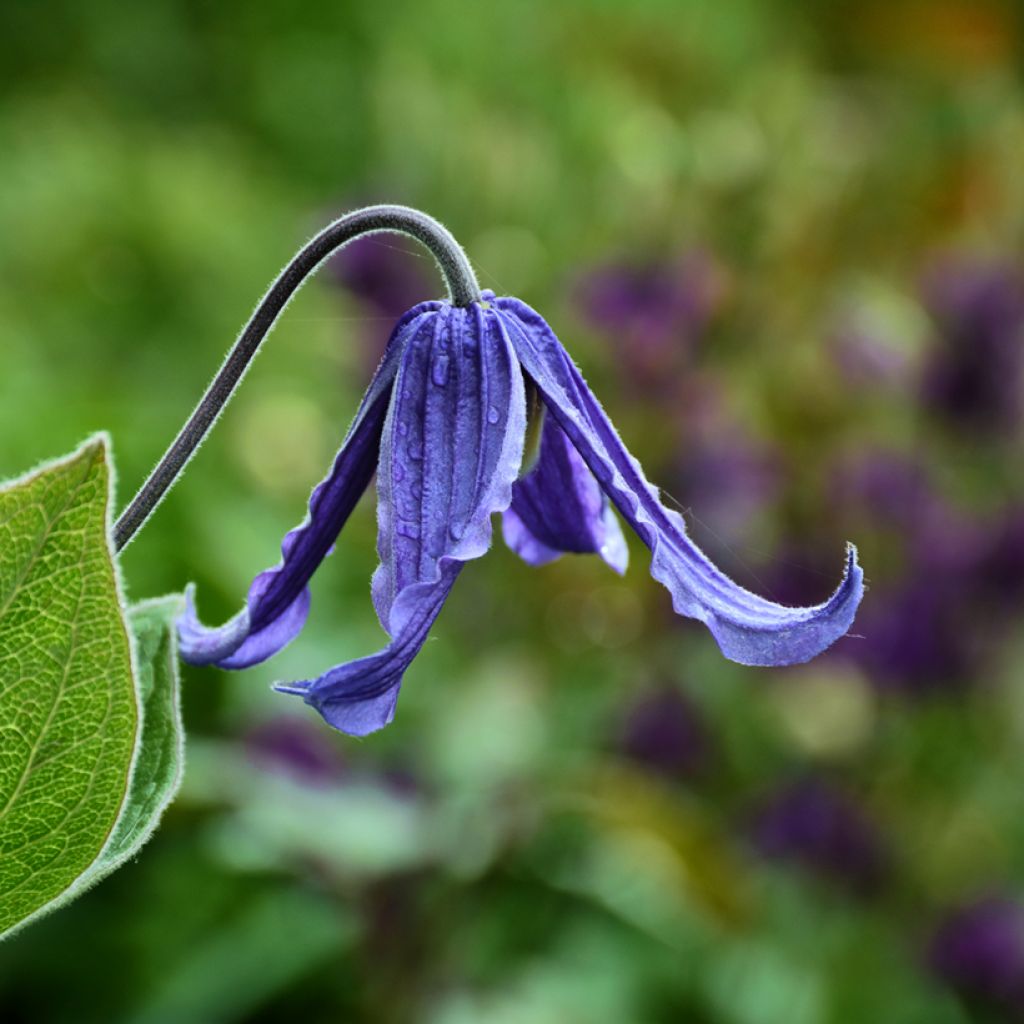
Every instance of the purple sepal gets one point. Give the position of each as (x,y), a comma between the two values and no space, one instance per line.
(359,696)
(559,507)
(278,599)
(451,449)
(234,645)
(749,629)
(444,421)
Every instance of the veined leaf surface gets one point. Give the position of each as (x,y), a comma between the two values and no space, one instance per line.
(89,756)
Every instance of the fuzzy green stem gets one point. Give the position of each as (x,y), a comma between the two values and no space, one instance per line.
(463,291)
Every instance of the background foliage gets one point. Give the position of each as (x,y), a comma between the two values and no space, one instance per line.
(784,241)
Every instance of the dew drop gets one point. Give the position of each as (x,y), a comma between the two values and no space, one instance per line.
(457,530)
(407,529)
(439,374)
(493,415)
(403,429)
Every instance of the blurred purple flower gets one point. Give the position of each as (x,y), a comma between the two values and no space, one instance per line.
(883,488)
(974,376)
(922,631)
(729,479)
(294,747)
(812,824)
(665,731)
(1001,566)
(979,952)
(918,639)
(443,424)
(655,313)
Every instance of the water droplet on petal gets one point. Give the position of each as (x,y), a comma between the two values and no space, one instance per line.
(439,374)
(493,415)
(403,429)
(408,529)
(457,530)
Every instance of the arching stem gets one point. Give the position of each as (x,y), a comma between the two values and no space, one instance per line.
(463,291)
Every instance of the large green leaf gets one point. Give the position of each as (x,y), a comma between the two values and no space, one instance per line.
(89,757)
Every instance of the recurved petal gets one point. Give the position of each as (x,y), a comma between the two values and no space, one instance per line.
(523,542)
(559,507)
(278,599)
(359,697)
(749,629)
(450,452)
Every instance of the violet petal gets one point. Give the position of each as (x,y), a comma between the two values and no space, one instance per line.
(278,599)
(559,507)
(451,449)
(749,629)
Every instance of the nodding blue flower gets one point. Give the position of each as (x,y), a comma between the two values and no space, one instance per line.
(443,424)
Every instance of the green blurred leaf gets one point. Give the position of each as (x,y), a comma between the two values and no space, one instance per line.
(89,757)
(676,847)
(215,980)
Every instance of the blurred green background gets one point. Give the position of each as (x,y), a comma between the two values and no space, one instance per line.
(784,241)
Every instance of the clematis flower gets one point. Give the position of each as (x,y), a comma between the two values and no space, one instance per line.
(443,424)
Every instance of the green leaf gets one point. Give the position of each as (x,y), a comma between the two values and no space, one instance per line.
(89,755)
(68,706)
(161,756)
